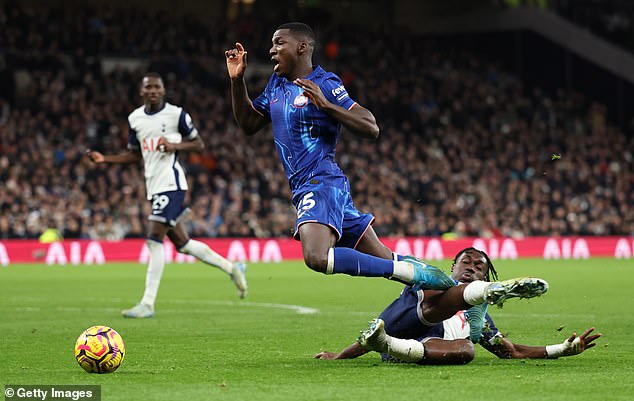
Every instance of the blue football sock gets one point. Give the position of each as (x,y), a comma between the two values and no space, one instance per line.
(354,263)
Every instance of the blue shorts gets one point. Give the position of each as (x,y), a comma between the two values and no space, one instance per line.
(331,205)
(168,207)
(404,318)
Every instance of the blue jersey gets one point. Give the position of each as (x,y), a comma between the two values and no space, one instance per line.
(305,137)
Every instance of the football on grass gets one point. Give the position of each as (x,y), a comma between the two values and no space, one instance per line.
(99,349)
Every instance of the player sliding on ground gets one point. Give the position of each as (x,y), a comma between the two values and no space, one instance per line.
(158,132)
(430,326)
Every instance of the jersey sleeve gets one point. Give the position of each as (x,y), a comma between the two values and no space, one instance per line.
(186,126)
(336,92)
(133,141)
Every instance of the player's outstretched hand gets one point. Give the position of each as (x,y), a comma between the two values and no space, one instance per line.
(326,355)
(236,61)
(576,345)
(94,156)
(313,92)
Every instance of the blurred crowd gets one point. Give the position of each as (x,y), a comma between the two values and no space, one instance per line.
(465,148)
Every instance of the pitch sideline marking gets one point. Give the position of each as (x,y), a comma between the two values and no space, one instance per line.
(302,310)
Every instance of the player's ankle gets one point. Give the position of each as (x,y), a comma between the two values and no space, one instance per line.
(475,292)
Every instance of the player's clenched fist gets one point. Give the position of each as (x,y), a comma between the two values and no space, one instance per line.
(94,156)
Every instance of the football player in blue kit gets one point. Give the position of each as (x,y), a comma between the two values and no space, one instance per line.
(307,106)
(429,326)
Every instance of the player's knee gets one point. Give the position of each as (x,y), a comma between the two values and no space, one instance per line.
(157,231)
(182,247)
(317,261)
(384,252)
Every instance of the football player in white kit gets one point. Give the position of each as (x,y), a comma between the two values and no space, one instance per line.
(158,131)
(428,327)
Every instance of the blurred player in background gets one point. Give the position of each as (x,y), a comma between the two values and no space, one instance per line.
(307,107)
(158,132)
(428,327)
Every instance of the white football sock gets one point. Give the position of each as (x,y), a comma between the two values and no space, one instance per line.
(474,292)
(331,261)
(154,271)
(405,350)
(403,272)
(205,254)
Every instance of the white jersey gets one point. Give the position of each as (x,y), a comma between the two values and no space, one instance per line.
(163,171)
(456,327)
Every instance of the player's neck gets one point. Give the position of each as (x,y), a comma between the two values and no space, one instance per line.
(302,71)
(153,108)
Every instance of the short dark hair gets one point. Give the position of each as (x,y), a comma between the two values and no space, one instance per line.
(491,273)
(152,74)
(300,29)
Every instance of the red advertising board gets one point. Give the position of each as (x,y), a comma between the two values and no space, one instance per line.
(276,249)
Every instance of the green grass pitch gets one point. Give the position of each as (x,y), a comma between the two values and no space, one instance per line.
(205,344)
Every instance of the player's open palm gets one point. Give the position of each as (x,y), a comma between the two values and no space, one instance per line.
(576,345)
(236,61)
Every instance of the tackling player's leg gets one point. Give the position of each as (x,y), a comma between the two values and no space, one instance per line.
(475,296)
(430,351)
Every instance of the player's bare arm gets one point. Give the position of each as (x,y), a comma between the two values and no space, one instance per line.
(194,145)
(353,351)
(248,119)
(359,120)
(127,157)
(573,345)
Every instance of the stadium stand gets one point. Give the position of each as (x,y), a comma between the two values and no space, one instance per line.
(467,148)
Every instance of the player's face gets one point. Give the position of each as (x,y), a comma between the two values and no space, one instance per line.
(284,52)
(470,266)
(152,91)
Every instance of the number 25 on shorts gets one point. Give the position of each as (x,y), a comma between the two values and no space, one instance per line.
(305,204)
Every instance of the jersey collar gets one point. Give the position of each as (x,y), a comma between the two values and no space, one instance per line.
(149,113)
(317,70)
